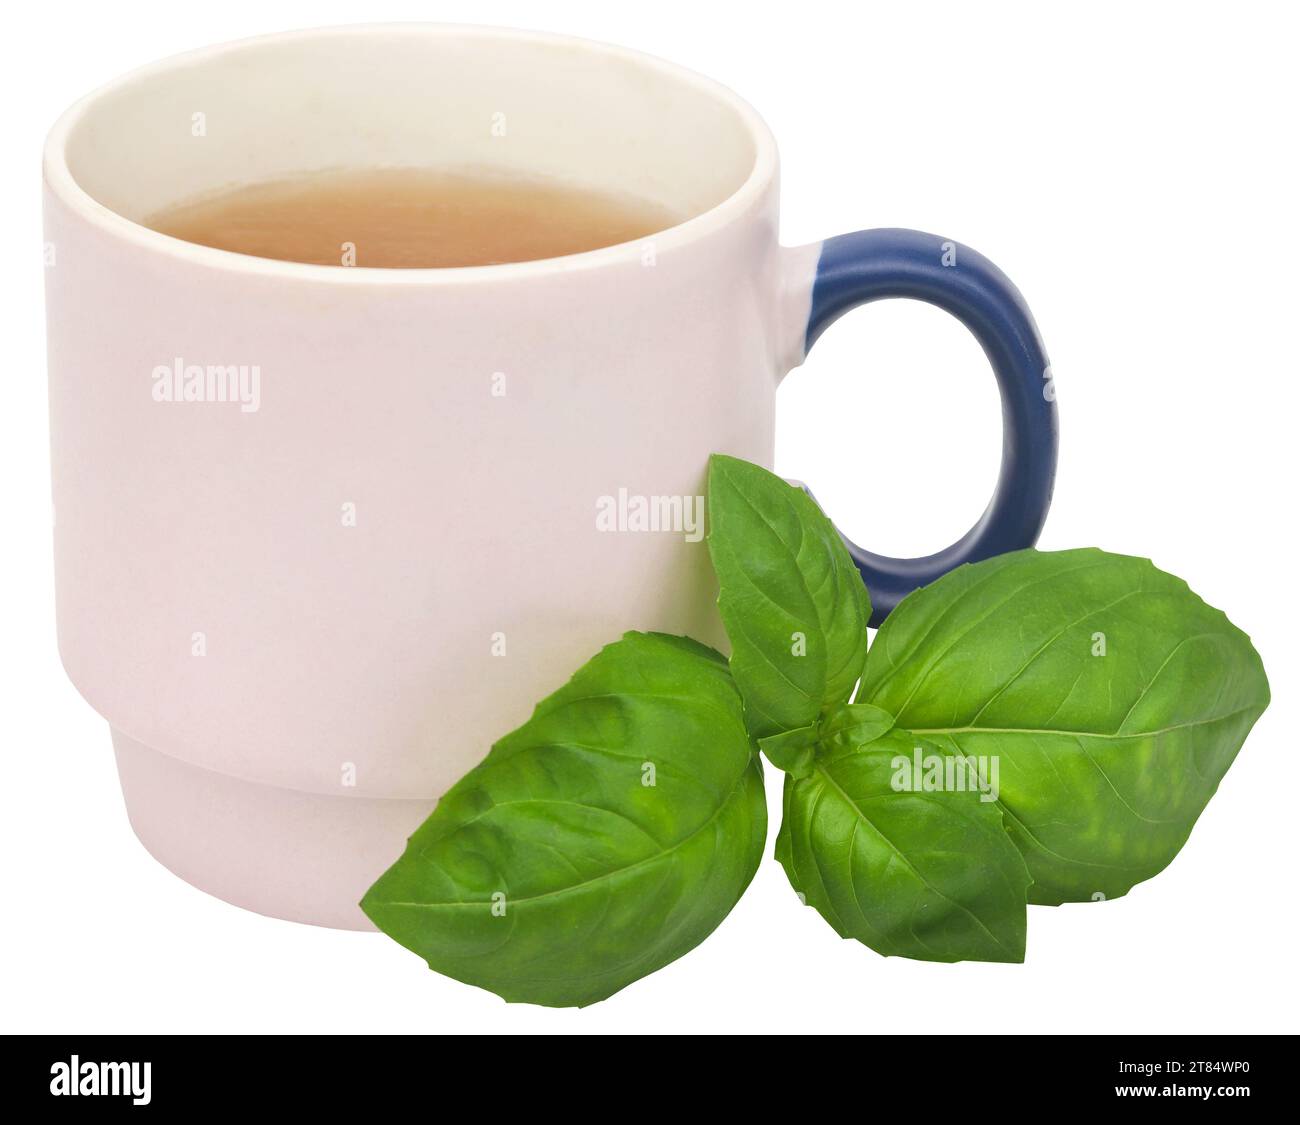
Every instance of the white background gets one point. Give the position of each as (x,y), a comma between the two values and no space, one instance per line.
(1132,167)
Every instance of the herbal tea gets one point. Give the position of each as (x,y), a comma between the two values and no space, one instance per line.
(412,218)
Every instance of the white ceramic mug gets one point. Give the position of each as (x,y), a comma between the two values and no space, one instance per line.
(323,534)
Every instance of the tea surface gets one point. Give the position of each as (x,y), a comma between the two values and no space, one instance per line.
(411,218)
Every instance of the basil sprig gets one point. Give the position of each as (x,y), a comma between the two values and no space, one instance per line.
(1039,727)
(1109,697)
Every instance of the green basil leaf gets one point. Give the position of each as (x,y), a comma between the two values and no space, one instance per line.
(606,837)
(908,868)
(853,724)
(792,602)
(849,725)
(794,752)
(1113,697)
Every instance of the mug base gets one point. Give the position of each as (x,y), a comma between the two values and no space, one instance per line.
(303,857)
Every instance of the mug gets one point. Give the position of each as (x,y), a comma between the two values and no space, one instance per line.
(324,533)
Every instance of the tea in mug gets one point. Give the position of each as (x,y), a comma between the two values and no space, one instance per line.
(412,218)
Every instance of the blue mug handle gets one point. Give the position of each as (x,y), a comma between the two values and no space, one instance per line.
(870,265)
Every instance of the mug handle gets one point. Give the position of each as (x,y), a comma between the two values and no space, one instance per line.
(869,265)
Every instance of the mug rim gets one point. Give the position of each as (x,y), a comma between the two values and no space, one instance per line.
(61,182)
